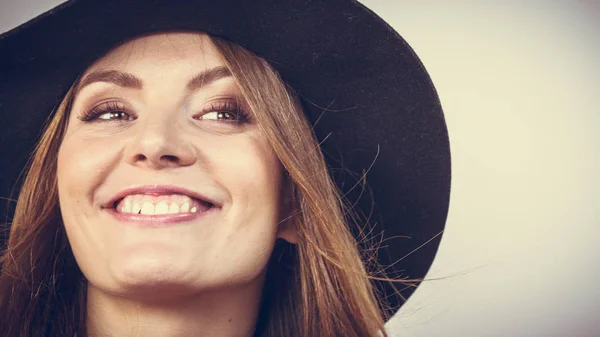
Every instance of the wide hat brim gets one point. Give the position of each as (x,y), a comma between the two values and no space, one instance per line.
(377,109)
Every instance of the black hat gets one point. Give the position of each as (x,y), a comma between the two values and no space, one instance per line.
(373,99)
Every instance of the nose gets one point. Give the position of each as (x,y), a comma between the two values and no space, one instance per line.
(160,145)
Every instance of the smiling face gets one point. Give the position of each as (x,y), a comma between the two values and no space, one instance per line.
(162,113)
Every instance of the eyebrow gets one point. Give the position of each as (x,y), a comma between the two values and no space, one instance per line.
(127,80)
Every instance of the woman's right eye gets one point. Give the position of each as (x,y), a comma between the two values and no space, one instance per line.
(110,115)
(107,112)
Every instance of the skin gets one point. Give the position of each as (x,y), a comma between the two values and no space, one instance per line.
(199,278)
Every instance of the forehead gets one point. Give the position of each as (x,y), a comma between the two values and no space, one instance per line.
(184,49)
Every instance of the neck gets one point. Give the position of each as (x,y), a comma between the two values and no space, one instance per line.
(225,313)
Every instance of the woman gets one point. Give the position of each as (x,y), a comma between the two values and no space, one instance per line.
(188,186)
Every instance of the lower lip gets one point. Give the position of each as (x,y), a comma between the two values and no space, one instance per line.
(159,220)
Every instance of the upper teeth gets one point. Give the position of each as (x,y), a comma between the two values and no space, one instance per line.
(153,205)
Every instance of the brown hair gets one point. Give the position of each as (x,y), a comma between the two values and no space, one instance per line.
(318,287)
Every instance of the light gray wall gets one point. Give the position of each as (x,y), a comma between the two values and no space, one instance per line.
(519,83)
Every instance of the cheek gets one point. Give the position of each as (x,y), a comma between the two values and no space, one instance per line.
(81,167)
(81,164)
(252,174)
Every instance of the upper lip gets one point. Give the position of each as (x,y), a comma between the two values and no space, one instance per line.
(157,190)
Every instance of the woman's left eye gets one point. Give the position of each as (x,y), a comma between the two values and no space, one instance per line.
(226,111)
(219,115)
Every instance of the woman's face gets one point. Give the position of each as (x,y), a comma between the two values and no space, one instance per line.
(172,134)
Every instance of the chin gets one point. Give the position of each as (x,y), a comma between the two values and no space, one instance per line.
(150,286)
(148,272)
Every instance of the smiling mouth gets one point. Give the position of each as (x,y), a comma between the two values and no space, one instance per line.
(162,204)
(159,210)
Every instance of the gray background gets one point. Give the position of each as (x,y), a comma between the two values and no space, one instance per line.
(519,83)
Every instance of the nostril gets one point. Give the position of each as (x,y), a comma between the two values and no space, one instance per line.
(170,158)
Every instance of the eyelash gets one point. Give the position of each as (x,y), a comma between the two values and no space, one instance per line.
(232,108)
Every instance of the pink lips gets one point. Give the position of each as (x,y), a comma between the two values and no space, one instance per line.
(162,219)
(157,190)
(159,220)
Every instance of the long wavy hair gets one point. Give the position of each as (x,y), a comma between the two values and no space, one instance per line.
(319,287)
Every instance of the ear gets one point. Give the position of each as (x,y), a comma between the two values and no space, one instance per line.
(286,229)
(287,232)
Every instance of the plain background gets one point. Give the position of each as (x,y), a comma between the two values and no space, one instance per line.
(519,82)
